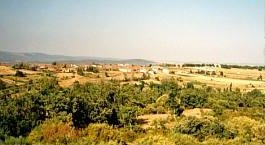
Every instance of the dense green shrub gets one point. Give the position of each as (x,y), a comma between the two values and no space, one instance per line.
(16,141)
(20,115)
(253,98)
(202,128)
(35,105)
(193,98)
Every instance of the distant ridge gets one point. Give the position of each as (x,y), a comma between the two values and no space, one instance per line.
(13,57)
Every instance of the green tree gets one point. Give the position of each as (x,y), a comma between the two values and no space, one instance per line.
(174,105)
(113,117)
(191,98)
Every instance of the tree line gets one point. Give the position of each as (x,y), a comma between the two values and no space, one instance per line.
(116,105)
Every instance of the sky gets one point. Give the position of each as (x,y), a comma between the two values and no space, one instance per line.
(224,31)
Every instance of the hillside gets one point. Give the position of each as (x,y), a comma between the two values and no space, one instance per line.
(11,57)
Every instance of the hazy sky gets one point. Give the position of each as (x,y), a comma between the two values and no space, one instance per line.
(177,30)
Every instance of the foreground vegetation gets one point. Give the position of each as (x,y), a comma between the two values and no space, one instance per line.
(41,112)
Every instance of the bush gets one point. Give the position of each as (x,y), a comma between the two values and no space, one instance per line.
(53,131)
(172,72)
(33,68)
(16,141)
(93,69)
(190,85)
(248,128)
(218,110)
(202,128)
(2,85)
(97,133)
(255,98)
(145,76)
(19,74)
(221,73)
(128,116)
(154,109)
(156,139)
(20,66)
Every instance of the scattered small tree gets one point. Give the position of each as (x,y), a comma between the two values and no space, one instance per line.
(221,73)
(230,86)
(80,71)
(259,78)
(106,74)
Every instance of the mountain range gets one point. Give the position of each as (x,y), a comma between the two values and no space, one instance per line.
(13,57)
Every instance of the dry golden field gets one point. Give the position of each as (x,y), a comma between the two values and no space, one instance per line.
(244,79)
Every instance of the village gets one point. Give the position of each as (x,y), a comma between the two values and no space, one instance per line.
(210,74)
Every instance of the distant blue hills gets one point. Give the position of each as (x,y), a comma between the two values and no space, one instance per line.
(13,57)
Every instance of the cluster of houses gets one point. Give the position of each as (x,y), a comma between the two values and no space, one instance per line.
(124,68)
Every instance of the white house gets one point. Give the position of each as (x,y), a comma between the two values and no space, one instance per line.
(165,71)
(143,70)
(125,70)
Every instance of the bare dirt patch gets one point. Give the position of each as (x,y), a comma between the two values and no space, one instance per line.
(196,112)
(29,72)
(147,120)
(4,70)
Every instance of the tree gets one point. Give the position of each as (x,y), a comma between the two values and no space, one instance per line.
(106,74)
(93,69)
(80,112)
(174,105)
(80,71)
(113,118)
(20,65)
(193,98)
(230,87)
(19,116)
(171,101)
(221,73)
